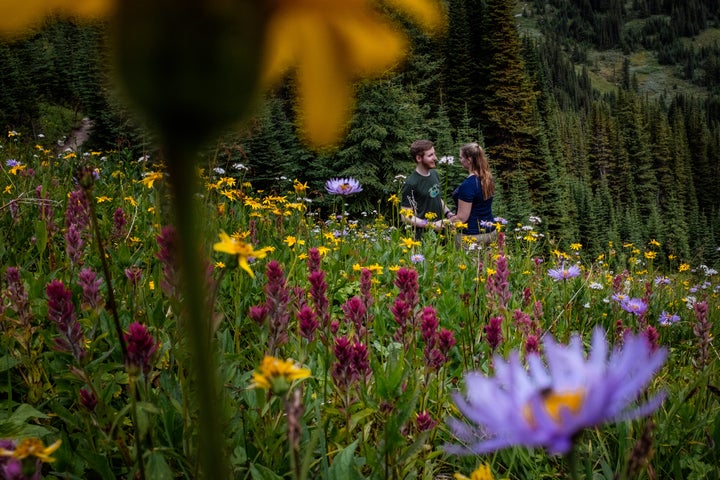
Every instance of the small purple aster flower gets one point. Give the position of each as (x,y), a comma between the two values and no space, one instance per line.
(417,258)
(550,402)
(635,306)
(11,162)
(563,273)
(668,319)
(343,186)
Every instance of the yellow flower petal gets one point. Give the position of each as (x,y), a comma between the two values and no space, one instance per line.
(427,13)
(332,44)
(30,13)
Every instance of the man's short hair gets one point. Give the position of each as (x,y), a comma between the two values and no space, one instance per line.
(419,147)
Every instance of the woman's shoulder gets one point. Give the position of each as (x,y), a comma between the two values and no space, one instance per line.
(471,181)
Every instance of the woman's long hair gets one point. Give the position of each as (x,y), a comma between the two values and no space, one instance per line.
(479,167)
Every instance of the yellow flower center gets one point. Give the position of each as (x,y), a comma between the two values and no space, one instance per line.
(555,402)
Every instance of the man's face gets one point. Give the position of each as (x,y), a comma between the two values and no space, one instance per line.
(428,159)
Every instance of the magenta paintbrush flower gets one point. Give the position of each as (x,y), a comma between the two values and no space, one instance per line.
(343,186)
(549,403)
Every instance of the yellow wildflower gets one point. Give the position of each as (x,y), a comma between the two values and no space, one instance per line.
(131,201)
(650,254)
(219,265)
(235,246)
(291,241)
(69,155)
(151,285)
(151,178)
(576,246)
(264,251)
(376,269)
(323,250)
(32,447)
(277,375)
(406,212)
(394,200)
(684,267)
(409,242)
(17,168)
(103,199)
(430,216)
(299,187)
(8,189)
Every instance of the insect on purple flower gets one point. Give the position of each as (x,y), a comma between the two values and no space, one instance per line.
(549,403)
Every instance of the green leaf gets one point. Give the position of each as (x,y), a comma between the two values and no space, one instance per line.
(343,466)
(7,362)
(16,425)
(157,468)
(98,463)
(25,412)
(41,236)
(260,472)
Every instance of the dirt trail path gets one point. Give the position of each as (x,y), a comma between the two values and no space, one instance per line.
(78,136)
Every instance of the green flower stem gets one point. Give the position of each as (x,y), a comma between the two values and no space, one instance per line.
(111,304)
(138,438)
(572,462)
(195,324)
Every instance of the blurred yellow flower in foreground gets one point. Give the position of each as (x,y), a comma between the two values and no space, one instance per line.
(29,13)
(331,44)
(277,375)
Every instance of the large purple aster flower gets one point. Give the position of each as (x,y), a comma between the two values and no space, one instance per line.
(563,273)
(343,186)
(549,403)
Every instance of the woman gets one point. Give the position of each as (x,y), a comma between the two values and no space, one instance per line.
(474,197)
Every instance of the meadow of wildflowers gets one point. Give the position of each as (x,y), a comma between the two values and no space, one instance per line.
(344,348)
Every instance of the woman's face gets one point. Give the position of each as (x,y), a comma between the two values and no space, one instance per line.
(464,162)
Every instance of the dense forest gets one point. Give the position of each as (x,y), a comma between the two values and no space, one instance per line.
(600,157)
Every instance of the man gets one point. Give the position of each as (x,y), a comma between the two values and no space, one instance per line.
(421,193)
